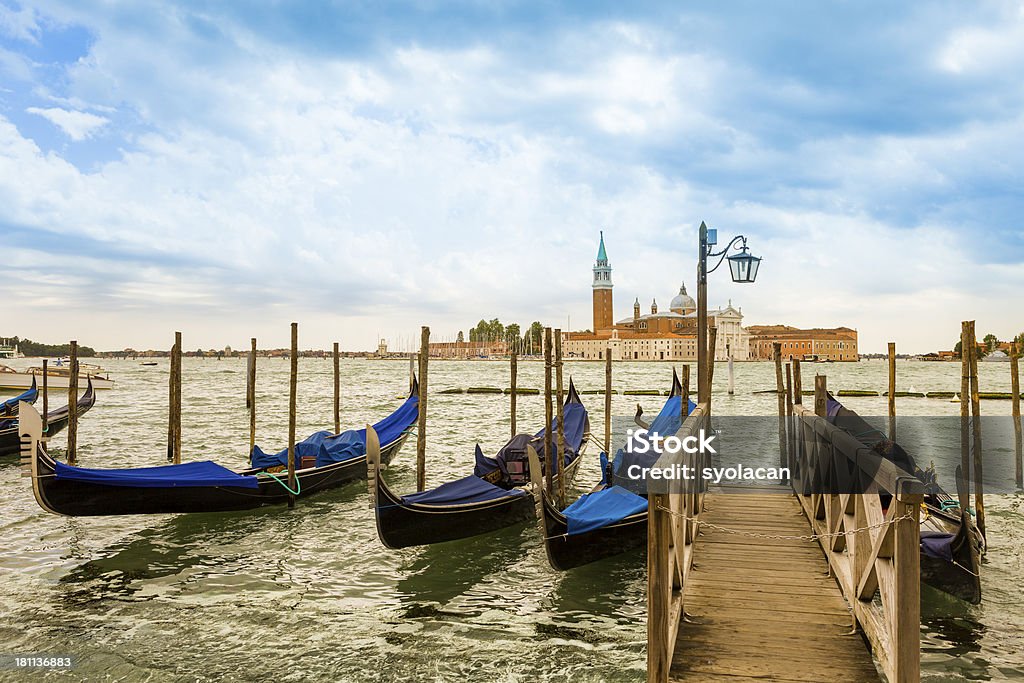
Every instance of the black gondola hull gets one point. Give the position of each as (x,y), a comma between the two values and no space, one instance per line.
(566,552)
(84,499)
(57,421)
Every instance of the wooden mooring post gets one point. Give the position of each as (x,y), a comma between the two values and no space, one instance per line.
(514,366)
(548,415)
(979,483)
(293,393)
(964,492)
(251,383)
(174,409)
(608,402)
(46,399)
(559,460)
(73,406)
(798,389)
(1015,390)
(712,343)
(892,391)
(780,393)
(685,403)
(421,429)
(729,363)
(337,389)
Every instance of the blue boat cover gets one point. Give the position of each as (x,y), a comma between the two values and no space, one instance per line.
(10,406)
(937,544)
(329,448)
(205,473)
(601,508)
(471,489)
(667,423)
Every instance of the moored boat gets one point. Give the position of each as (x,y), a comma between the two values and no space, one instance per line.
(611,519)
(56,421)
(57,377)
(202,486)
(493,497)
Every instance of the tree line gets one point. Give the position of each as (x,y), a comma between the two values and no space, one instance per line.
(35,349)
(531,341)
(990,343)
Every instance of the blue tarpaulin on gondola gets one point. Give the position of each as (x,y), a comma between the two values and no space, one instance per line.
(471,489)
(205,473)
(601,508)
(9,406)
(665,424)
(328,448)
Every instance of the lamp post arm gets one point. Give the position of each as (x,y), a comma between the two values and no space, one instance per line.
(722,254)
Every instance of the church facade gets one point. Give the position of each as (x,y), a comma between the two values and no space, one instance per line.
(658,335)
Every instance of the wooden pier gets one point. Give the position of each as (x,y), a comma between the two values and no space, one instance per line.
(807,584)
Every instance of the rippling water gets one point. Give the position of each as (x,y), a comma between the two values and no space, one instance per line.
(310,593)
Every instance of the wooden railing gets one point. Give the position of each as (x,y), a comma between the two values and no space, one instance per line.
(671,533)
(872,551)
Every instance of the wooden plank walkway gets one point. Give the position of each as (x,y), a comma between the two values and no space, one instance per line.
(764,609)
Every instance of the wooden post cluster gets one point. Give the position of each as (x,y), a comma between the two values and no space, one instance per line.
(337,390)
(293,393)
(46,399)
(421,430)
(1015,389)
(73,406)
(560,407)
(512,397)
(892,391)
(548,412)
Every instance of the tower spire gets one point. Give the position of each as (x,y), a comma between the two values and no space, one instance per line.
(603,315)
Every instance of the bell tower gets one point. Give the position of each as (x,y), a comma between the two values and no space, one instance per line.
(603,316)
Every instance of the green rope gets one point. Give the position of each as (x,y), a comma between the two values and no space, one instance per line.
(298,484)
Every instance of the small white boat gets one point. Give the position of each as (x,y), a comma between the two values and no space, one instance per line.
(56,377)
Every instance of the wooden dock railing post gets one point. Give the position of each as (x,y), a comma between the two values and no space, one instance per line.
(798,389)
(421,431)
(659,590)
(1015,411)
(73,406)
(780,394)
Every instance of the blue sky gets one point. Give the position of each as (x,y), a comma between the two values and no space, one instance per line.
(365,168)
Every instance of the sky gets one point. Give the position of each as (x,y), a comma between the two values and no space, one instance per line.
(365,168)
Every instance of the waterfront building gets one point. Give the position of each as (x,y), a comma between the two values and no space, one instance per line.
(833,343)
(468,349)
(658,335)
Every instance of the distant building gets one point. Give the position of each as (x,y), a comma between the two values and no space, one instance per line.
(836,343)
(658,335)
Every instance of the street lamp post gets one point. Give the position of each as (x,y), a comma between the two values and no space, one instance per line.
(742,267)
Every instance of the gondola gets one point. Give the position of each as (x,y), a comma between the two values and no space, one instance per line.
(202,486)
(56,420)
(951,544)
(491,498)
(10,406)
(611,519)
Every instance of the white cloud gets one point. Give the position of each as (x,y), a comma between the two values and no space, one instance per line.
(21,24)
(77,125)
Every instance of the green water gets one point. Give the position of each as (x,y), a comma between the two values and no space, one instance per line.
(311,594)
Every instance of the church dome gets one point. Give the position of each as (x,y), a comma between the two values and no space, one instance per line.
(682,302)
